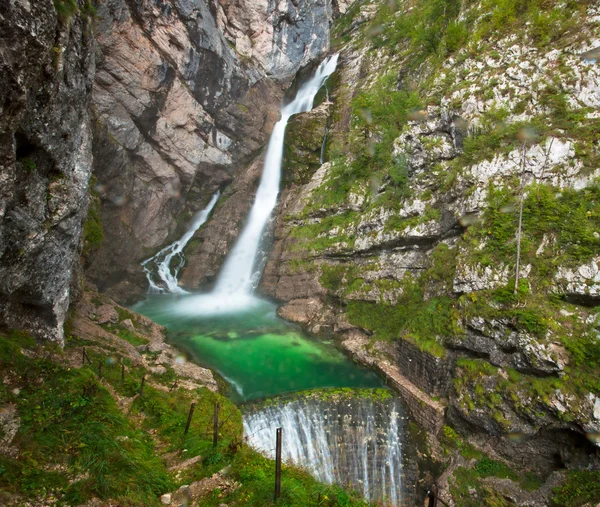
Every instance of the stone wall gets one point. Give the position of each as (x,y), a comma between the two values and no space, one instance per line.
(185,97)
(430,373)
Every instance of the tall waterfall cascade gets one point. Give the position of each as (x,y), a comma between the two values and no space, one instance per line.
(239,274)
(355,442)
(159,269)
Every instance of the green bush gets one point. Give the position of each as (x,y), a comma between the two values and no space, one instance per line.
(332,277)
(457,35)
(582,487)
(93,233)
(65,9)
(487,467)
(28,164)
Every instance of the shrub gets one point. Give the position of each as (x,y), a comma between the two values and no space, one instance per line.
(65,9)
(93,233)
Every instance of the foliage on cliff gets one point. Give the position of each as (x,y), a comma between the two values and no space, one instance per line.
(462,144)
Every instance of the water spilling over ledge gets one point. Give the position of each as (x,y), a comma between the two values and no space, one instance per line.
(356,438)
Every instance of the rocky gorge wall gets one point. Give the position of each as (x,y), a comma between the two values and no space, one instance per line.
(443,127)
(46,73)
(185,97)
(182,97)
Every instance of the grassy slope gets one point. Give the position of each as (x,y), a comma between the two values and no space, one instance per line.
(81,437)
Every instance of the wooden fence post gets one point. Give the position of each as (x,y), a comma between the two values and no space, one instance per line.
(189,419)
(216,425)
(278,464)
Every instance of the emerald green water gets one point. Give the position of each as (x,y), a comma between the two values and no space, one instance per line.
(258,353)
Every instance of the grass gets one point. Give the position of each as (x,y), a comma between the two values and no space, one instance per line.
(65,9)
(298,489)
(467,479)
(481,385)
(93,233)
(424,322)
(569,216)
(70,420)
(451,441)
(28,164)
(318,236)
(420,324)
(436,29)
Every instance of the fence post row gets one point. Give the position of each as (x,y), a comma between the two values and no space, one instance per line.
(85,357)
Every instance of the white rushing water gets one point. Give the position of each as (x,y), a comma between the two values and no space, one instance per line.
(161,265)
(238,275)
(355,442)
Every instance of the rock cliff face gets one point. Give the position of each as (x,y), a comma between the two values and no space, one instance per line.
(456,162)
(185,96)
(46,72)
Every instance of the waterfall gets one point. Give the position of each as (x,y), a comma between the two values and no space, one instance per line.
(160,264)
(323,146)
(355,441)
(238,275)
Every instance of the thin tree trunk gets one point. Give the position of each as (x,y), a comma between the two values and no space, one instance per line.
(519,229)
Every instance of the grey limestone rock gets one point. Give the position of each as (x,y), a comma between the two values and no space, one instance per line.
(46,72)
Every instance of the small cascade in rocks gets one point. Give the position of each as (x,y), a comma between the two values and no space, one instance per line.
(355,441)
(323,146)
(162,269)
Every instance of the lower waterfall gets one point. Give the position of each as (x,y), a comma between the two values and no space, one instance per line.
(354,440)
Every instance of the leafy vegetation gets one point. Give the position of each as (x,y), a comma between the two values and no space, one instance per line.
(28,164)
(566,219)
(93,233)
(65,9)
(582,487)
(320,235)
(468,478)
(439,28)
(69,419)
(424,322)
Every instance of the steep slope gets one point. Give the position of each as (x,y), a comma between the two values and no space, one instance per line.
(452,126)
(46,72)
